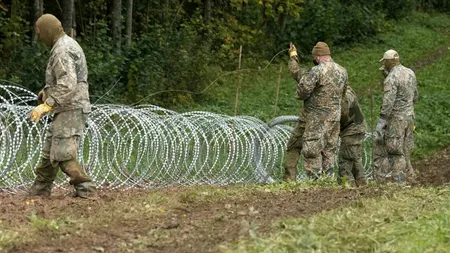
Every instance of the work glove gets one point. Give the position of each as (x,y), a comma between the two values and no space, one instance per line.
(379,130)
(41,97)
(39,111)
(292,50)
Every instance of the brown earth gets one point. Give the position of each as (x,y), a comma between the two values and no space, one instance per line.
(434,170)
(184,226)
(186,221)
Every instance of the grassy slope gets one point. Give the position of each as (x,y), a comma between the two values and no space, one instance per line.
(409,220)
(414,220)
(415,39)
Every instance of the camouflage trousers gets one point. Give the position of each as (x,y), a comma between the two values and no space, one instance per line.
(317,142)
(351,166)
(60,150)
(392,157)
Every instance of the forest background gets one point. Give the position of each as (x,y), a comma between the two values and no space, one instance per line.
(185,54)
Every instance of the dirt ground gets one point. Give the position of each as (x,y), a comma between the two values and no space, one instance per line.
(186,223)
(434,170)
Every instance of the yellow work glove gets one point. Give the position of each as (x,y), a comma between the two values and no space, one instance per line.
(40,111)
(292,50)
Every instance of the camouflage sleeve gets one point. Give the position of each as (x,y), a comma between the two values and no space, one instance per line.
(295,69)
(346,103)
(64,71)
(307,83)
(416,92)
(390,91)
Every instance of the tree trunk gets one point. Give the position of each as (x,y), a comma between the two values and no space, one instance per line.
(67,16)
(116,17)
(129,23)
(38,11)
(207,11)
(282,18)
(74,22)
(14,9)
(164,14)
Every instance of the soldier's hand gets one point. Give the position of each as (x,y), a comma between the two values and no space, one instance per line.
(379,136)
(41,97)
(39,111)
(292,50)
(379,130)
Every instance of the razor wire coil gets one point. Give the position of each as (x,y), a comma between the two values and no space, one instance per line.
(148,146)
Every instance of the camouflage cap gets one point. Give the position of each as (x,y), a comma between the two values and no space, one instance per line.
(390,55)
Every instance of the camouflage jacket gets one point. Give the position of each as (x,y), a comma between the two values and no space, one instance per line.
(66,86)
(354,122)
(400,93)
(321,88)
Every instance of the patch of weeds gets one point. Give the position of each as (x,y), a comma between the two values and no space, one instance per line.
(7,238)
(409,220)
(325,181)
(188,197)
(47,224)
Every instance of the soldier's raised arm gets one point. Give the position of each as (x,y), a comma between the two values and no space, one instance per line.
(305,82)
(294,65)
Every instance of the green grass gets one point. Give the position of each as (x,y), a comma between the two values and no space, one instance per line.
(415,39)
(405,220)
(432,110)
(7,237)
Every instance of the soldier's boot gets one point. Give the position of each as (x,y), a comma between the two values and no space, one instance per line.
(45,175)
(85,190)
(83,183)
(290,165)
(398,165)
(313,165)
(312,175)
(40,189)
(329,171)
(410,173)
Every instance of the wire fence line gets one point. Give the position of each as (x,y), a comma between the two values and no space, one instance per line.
(148,146)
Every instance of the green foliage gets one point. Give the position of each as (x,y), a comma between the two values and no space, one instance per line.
(415,39)
(21,62)
(336,22)
(413,220)
(399,9)
(46,224)
(432,114)
(177,51)
(7,238)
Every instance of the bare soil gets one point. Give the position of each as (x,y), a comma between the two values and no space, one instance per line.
(182,225)
(185,227)
(434,170)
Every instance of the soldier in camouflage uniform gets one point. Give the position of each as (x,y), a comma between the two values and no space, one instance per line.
(353,130)
(315,137)
(66,96)
(394,132)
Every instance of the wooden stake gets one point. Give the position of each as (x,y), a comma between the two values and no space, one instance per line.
(237,83)
(371,121)
(278,91)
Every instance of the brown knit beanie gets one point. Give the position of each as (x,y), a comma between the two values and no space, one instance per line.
(321,48)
